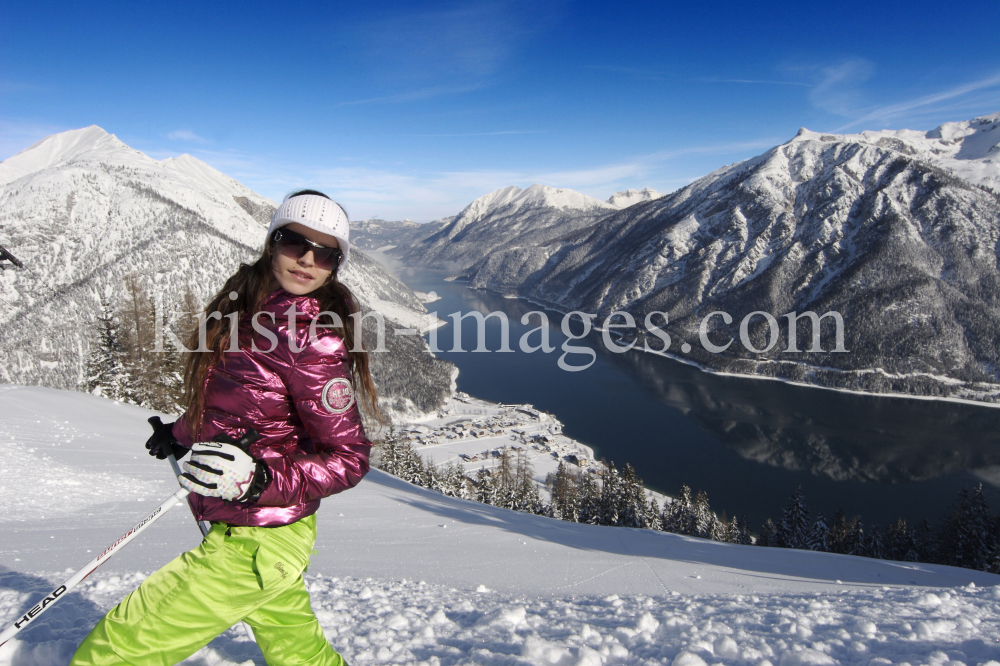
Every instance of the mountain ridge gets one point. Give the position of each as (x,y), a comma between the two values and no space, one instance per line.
(84,212)
(896,230)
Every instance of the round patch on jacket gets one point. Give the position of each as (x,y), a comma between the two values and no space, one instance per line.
(338,395)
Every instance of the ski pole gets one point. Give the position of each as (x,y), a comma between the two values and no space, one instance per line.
(55,595)
(203,526)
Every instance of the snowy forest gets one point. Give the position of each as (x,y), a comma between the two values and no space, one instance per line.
(123,364)
(968,537)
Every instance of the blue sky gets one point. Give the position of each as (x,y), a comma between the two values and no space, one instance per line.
(414,109)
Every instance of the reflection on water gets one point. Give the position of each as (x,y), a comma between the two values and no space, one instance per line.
(842,436)
(747,442)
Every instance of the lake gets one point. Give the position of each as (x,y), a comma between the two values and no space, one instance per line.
(747,442)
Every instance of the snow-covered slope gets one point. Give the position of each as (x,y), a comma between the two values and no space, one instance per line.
(896,231)
(381,236)
(970,149)
(626,198)
(510,218)
(404,575)
(83,211)
(534,196)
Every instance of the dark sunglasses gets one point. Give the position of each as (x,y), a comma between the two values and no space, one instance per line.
(295,245)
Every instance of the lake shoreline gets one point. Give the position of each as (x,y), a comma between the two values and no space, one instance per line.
(791,382)
(748,445)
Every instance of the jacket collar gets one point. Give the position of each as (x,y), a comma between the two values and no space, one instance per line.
(279,301)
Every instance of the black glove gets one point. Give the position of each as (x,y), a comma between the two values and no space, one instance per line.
(163,442)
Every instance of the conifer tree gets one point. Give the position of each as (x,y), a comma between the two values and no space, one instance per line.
(564,488)
(993,566)
(901,542)
(486,487)
(911,549)
(454,482)
(895,539)
(744,538)
(926,542)
(857,543)
(611,495)
(107,373)
(527,498)
(505,481)
(768,534)
(633,500)
(703,520)
(653,515)
(950,535)
(384,452)
(793,531)
(838,533)
(136,334)
(732,531)
(411,467)
(525,492)
(875,549)
(819,535)
(678,515)
(980,540)
(590,500)
(718,529)
(157,377)
(965,539)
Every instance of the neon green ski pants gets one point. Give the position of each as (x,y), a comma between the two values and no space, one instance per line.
(237,573)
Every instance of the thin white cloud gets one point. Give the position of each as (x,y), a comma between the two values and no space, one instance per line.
(926,102)
(396,192)
(609,176)
(390,194)
(768,82)
(186,135)
(643,74)
(838,88)
(464,42)
(503,133)
(412,96)
(652,75)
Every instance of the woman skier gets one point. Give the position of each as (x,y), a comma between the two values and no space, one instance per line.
(280,359)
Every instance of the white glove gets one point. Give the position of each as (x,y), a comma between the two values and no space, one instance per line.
(224,469)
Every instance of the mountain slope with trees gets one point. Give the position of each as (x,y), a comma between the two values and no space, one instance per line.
(109,237)
(885,230)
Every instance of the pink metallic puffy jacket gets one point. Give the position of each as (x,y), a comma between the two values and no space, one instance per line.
(301,403)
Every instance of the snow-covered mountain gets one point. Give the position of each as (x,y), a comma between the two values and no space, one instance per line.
(970,149)
(553,211)
(626,198)
(374,233)
(384,235)
(403,575)
(897,231)
(534,196)
(509,219)
(82,211)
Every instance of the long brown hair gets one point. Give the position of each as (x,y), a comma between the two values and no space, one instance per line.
(252,284)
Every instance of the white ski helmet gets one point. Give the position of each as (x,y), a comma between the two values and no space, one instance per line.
(317,213)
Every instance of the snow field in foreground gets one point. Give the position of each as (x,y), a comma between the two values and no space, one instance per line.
(374,621)
(564,593)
